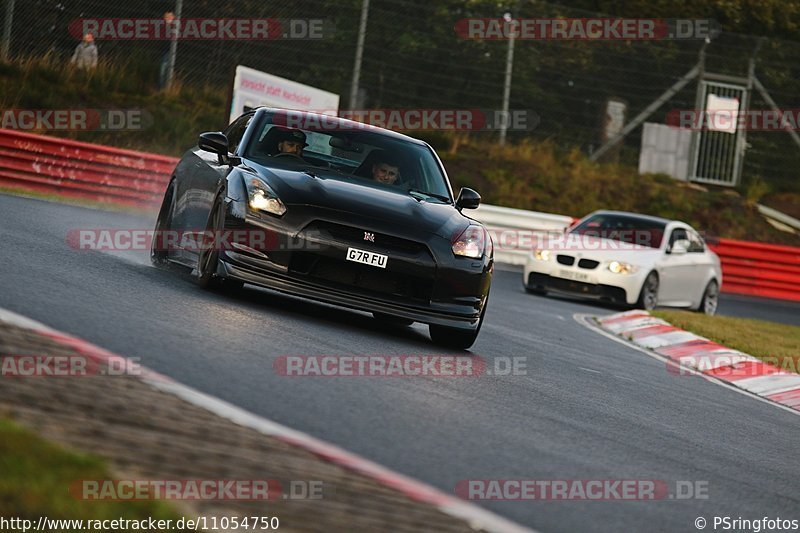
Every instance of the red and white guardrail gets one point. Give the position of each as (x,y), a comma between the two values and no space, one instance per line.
(82,170)
(104,174)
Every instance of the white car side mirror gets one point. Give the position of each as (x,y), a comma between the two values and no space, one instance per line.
(680,247)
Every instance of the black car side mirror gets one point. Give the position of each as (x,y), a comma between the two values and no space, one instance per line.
(468,199)
(214,142)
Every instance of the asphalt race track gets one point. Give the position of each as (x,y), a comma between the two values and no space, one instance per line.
(588,407)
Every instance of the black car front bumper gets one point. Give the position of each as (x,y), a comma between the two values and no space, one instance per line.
(311,263)
(296,287)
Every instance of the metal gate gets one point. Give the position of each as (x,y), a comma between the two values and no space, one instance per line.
(719,137)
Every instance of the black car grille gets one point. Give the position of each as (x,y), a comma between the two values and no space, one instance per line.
(355,235)
(588,264)
(565,259)
(348,275)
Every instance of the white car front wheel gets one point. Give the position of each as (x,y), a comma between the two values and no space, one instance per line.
(648,296)
(710,300)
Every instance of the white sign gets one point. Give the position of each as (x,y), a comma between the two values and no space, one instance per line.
(615,118)
(253,88)
(722,113)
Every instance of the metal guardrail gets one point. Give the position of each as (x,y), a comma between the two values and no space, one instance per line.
(81,170)
(103,174)
(781,218)
(757,269)
(514,231)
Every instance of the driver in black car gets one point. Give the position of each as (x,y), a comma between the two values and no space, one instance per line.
(292,142)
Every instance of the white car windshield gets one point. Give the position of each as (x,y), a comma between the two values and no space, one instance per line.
(623,228)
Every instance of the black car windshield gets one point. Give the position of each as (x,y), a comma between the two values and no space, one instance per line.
(623,228)
(348,153)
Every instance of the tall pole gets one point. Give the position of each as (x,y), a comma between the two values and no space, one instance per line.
(6,46)
(507,83)
(699,107)
(362,31)
(741,146)
(173,45)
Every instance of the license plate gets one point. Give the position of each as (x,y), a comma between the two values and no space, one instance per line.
(367,258)
(577,276)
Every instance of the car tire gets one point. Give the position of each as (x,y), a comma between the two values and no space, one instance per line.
(457,338)
(208,258)
(392,320)
(159,257)
(710,300)
(648,296)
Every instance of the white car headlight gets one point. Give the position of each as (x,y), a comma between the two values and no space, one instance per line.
(541,255)
(261,198)
(618,267)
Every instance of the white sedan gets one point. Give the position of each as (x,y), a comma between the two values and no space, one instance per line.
(628,259)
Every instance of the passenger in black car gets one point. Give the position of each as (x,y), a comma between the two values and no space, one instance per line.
(386,171)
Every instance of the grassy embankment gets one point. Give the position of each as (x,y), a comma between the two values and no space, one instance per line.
(37,475)
(529,175)
(777,344)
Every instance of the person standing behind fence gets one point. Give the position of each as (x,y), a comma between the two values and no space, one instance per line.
(170,26)
(85,56)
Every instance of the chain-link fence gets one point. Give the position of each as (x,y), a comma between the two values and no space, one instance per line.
(414,58)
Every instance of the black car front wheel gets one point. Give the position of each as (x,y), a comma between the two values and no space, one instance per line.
(159,254)
(208,259)
(457,338)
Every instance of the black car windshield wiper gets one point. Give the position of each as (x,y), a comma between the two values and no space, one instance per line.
(441,197)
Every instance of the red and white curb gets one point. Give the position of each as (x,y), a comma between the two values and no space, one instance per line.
(477,518)
(690,353)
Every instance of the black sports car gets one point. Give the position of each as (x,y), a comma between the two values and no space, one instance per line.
(332,210)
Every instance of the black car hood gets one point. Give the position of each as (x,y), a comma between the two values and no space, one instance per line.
(331,191)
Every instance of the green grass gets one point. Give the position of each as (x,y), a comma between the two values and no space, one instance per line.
(37,474)
(777,344)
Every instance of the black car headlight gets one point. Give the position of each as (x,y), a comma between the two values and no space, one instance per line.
(471,242)
(261,198)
